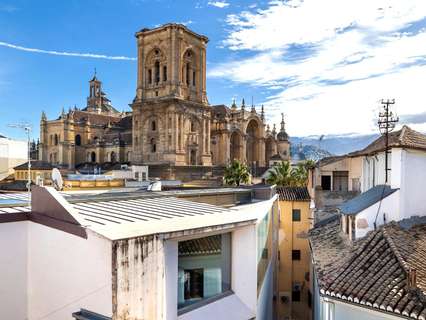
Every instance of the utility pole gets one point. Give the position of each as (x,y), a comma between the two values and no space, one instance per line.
(387,121)
(27,128)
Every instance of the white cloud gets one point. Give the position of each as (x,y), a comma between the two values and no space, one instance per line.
(218,4)
(62,53)
(329,62)
(186,23)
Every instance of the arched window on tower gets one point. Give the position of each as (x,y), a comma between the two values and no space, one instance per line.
(56,140)
(78,140)
(187,73)
(164,73)
(157,71)
(192,126)
(149,76)
(153,126)
(153,146)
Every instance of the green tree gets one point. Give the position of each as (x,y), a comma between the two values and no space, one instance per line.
(299,175)
(286,176)
(236,173)
(281,174)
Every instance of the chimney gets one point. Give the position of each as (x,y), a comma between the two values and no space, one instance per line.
(412,278)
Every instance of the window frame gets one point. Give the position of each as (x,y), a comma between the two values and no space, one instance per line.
(205,301)
(296,255)
(296,211)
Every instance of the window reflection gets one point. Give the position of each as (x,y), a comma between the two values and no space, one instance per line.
(204,266)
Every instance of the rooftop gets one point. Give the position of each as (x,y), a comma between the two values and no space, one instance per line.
(120,215)
(35,165)
(293,194)
(374,271)
(366,199)
(404,138)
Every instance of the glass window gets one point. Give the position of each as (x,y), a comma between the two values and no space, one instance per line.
(295,254)
(264,247)
(204,266)
(296,214)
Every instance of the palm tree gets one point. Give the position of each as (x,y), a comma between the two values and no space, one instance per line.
(299,175)
(236,173)
(280,174)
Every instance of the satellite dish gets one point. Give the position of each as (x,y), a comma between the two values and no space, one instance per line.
(57,180)
(154,186)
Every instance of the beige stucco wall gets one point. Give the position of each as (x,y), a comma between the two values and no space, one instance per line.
(293,236)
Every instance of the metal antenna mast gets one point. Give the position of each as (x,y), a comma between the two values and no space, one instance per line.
(27,128)
(387,121)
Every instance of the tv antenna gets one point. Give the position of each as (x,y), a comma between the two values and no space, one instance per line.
(27,128)
(387,121)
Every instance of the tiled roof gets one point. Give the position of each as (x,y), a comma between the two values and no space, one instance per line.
(328,160)
(94,118)
(374,271)
(35,165)
(366,199)
(404,138)
(293,194)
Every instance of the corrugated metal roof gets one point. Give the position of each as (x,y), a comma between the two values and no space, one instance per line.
(136,210)
(366,199)
(121,219)
(293,194)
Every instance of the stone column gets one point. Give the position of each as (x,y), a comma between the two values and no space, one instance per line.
(182,136)
(203,144)
(166,135)
(208,135)
(176,132)
(141,67)
(243,148)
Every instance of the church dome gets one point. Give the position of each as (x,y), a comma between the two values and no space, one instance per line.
(282,136)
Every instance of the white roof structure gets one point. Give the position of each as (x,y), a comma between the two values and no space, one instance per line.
(142,217)
(122,218)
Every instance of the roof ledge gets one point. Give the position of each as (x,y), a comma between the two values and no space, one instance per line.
(49,208)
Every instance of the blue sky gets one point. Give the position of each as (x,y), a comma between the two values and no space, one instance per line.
(323,63)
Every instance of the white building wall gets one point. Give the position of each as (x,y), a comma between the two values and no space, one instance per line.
(365,219)
(240,305)
(66,273)
(12,154)
(373,171)
(352,312)
(244,266)
(13,266)
(413,183)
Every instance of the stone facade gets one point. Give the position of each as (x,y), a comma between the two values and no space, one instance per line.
(96,134)
(171,123)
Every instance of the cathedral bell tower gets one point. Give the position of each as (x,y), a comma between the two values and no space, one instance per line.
(94,100)
(283,143)
(171,63)
(171,114)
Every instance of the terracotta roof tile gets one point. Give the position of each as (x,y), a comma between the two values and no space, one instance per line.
(293,193)
(374,271)
(404,138)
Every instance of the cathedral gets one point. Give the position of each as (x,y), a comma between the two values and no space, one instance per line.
(171,125)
